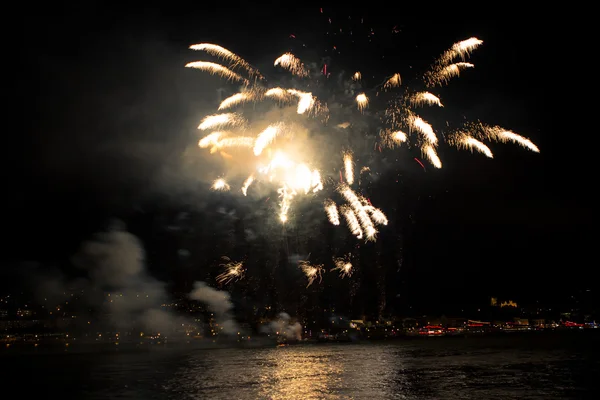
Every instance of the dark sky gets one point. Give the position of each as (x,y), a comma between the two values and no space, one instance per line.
(104,106)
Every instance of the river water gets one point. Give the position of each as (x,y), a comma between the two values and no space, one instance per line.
(533,366)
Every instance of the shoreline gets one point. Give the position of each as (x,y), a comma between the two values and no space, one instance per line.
(74,348)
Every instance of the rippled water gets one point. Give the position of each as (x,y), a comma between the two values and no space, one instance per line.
(536,367)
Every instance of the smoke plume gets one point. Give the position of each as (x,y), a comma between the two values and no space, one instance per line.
(116,286)
(284,327)
(219,303)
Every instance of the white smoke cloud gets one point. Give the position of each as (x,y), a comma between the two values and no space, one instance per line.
(284,327)
(117,284)
(219,303)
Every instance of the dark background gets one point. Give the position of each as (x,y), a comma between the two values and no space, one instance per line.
(103,104)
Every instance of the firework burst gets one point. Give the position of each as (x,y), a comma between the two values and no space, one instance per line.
(277,151)
(312,271)
(233,271)
(343,265)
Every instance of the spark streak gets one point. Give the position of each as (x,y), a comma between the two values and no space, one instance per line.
(365,221)
(469,142)
(220,120)
(349,167)
(225,54)
(292,64)
(247,184)
(265,138)
(234,100)
(332,212)
(423,127)
(429,152)
(425,98)
(217,69)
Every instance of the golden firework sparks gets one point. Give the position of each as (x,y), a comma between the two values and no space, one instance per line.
(216,69)
(393,139)
(343,265)
(352,221)
(393,82)
(306,101)
(311,271)
(399,137)
(247,184)
(234,271)
(497,134)
(443,70)
(376,214)
(220,185)
(278,93)
(332,212)
(430,153)
(295,175)
(463,141)
(443,75)
(359,210)
(237,141)
(223,53)
(234,100)
(418,124)
(460,49)
(425,98)
(348,167)
(210,139)
(266,137)
(220,120)
(503,135)
(291,63)
(362,101)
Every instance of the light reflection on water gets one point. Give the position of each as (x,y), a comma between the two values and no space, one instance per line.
(293,372)
(422,369)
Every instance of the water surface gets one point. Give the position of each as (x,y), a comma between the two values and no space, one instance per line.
(534,366)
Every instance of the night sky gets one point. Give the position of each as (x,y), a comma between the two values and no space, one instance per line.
(104,106)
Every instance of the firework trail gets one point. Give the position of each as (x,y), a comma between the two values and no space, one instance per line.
(275,152)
